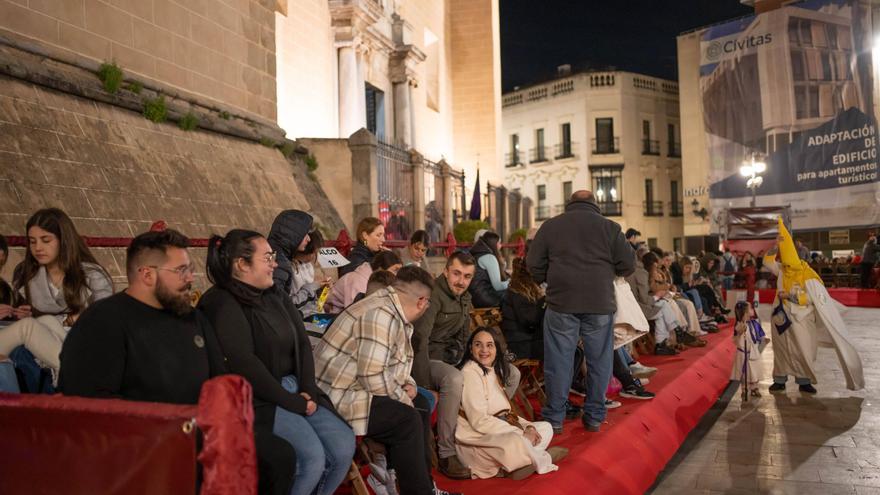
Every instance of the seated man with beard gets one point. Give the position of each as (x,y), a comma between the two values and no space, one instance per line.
(147,343)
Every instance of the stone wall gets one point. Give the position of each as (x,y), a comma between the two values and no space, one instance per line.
(223,50)
(114,173)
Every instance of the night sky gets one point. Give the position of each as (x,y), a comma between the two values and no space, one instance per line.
(633,35)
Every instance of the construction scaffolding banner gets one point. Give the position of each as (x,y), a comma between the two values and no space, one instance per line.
(794,88)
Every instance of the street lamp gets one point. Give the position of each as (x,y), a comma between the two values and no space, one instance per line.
(753,170)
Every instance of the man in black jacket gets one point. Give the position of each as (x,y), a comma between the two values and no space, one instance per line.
(147,343)
(578,254)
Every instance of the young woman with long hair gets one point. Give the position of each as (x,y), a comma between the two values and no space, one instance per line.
(57,280)
(370,240)
(490,282)
(489,436)
(264,340)
(522,314)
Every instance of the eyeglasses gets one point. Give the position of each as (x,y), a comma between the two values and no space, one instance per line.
(270,256)
(182,271)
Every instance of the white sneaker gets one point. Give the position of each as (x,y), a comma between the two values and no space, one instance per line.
(638,367)
(706,319)
(643,381)
(612,404)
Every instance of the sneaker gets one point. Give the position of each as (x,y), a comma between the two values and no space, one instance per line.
(452,468)
(702,333)
(706,318)
(572,411)
(777,387)
(591,427)
(639,370)
(637,393)
(663,349)
(612,404)
(642,381)
(438,491)
(557,430)
(808,389)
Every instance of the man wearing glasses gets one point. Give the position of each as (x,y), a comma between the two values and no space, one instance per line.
(147,343)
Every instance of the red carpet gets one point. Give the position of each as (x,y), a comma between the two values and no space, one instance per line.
(863,298)
(638,438)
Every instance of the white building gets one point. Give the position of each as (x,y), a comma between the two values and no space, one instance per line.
(615,133)
(421,74)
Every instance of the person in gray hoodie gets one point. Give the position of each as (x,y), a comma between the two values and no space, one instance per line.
(578,254)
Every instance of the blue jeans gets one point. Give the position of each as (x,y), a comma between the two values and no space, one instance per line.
(694,296)
(561,334)
(323,443)
(8,380)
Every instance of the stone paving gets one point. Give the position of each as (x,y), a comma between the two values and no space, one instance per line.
(790,443)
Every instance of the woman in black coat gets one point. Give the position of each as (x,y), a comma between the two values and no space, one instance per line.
(522,314)
(370,236)
(264,340)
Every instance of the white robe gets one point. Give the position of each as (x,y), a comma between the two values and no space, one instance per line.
(817,323)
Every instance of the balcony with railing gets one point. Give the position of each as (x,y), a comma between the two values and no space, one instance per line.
(538,154)
(564,150)
(611,208)
(653,208)
(512,159)
(674,150)
(542,212)
(676,209)
(650,147)
(606,146)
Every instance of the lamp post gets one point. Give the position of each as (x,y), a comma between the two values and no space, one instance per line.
(753,170)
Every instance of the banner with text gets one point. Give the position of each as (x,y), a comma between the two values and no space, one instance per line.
(793,88)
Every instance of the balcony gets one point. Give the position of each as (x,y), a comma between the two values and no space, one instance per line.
(512,159)
(676,209)
(538,154)
(564,150)
(674,150)
(606,146)
(611,208)
(650,147)
(653,208)
(542,213)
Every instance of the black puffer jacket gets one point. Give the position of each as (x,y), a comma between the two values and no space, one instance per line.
(483,295)
(359,255)
(288,230)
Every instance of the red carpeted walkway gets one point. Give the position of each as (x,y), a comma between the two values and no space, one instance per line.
(638,439)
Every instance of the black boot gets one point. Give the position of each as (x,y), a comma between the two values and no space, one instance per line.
(777,387)
(663,349)
(808,389)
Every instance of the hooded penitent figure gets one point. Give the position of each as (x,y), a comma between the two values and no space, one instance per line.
(289,229)
(805,317)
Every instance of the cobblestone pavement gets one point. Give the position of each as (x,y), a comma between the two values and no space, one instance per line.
(790,443)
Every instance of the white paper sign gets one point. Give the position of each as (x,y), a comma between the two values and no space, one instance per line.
(329,257)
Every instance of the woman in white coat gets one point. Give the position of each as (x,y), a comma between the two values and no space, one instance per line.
(490,438)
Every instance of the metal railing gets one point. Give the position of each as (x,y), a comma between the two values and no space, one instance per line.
(650,147)
(512,159)
(538,154)
(565,149)
(653,208)
(606,146)
(611,208)
(674,150)
(676,209)
(396,190)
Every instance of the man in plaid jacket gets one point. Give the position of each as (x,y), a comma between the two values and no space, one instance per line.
(363,364)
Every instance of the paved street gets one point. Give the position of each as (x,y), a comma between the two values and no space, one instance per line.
(791,443)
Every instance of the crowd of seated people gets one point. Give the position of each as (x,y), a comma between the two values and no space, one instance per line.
(401,344)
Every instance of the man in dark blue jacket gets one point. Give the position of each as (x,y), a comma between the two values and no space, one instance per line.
(578,254)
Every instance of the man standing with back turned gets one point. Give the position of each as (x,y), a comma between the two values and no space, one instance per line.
(578,254)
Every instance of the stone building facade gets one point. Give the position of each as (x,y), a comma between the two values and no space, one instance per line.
(66,141)
(615,133)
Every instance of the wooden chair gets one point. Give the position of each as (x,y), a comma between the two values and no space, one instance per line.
(485,317)
(531,383)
